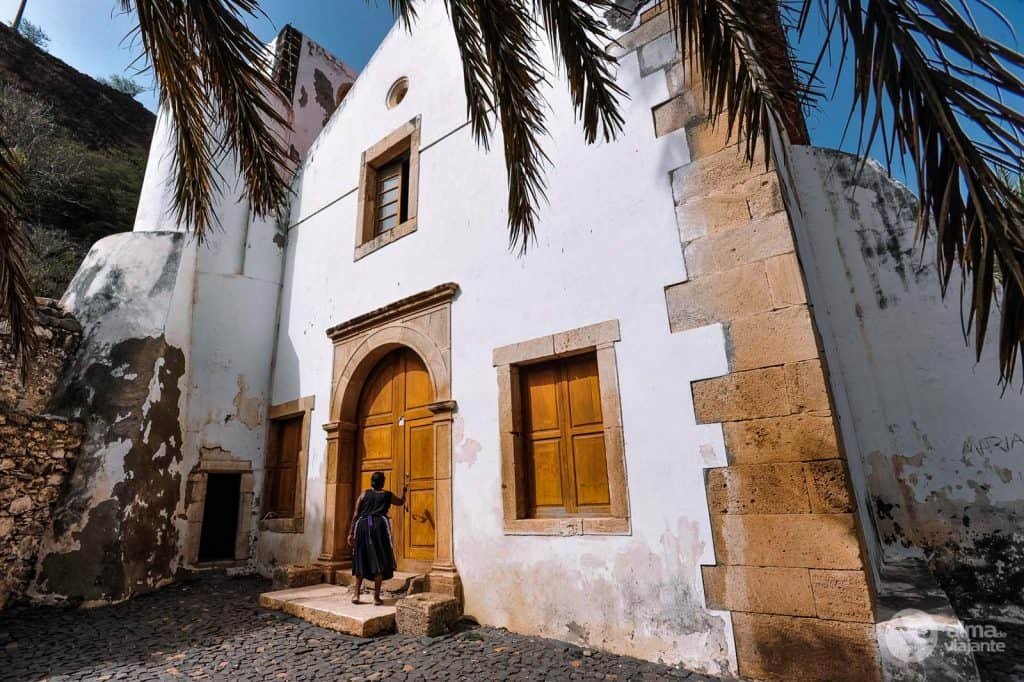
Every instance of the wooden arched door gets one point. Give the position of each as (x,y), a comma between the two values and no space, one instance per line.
(396,436)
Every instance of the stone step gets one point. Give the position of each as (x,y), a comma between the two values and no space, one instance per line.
(400,583)
(330,606)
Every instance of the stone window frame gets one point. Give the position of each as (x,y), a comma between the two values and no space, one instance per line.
(600,339)
(405,138)
(296,522)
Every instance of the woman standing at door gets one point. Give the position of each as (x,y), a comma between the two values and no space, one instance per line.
(370,537)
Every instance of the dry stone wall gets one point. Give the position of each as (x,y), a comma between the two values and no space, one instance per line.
(58,333)
(37,453)
(37,450)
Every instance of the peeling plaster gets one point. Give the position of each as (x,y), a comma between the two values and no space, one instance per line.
(324,91)
(248,409)
(128,542)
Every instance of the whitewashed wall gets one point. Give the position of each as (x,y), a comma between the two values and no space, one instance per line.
(936,448)
(607,246)
(237,278)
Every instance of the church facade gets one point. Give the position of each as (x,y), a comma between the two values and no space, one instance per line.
(683,426)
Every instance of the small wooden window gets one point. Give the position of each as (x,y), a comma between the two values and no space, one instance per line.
(565,464)
(388,190)
(282,466)
(392,195)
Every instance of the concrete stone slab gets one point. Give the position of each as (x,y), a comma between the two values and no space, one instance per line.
(331,607)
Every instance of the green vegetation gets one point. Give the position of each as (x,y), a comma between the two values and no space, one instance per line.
(74,195)
(123,84)
(33,34)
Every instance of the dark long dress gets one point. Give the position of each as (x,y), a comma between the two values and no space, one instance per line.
(374,554)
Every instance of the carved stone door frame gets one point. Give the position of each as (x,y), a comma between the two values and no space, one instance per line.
(422,323)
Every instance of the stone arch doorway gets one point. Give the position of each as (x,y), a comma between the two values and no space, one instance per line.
(395,435)
(416,327)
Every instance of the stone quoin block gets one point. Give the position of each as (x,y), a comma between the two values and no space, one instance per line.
(679,112)
(758,240)
(784,281)
(764,195)
(773,338)
(427,614)
(828,486)
(792,648)
(742,395)
(785,591)
(718,297)
(706,138)
(793,438)
(842,595)
(726,172)
(659,53)
(645,33)
(788,540)
(806,384)
(758,489)
(698,217)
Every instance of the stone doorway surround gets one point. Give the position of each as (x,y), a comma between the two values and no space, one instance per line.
(422,323)
(210,463)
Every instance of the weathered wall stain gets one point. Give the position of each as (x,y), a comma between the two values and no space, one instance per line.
(635,602)
(971,542)
(937,444)
(248,409)
(466,450)
(127,543)
(324,94)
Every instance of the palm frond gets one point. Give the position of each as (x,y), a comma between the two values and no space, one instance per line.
(214,79)
(738,50)
(579,38)
(497,41)
(507,31)
(17,304)
(926,71)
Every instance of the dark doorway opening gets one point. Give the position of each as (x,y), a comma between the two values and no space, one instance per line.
(220,517)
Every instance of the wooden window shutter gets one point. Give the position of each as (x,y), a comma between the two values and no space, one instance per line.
(565,469)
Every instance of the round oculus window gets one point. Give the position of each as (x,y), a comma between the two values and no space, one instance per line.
(397,92)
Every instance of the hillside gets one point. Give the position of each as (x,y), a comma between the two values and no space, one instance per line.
(83,146)
(96,114)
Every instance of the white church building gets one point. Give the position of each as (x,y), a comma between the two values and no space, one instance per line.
(702,420)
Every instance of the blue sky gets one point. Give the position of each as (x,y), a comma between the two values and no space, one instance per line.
(93,36)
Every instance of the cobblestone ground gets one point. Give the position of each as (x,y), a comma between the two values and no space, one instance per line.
(214,629)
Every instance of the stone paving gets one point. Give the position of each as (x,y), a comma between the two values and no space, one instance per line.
(213,628)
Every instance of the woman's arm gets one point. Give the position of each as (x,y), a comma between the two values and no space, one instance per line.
(399,500)
(355,517)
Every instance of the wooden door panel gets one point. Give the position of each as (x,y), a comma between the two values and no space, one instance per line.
(584,392)
(540,397)
(379,398)
(546,474)
(591,469)
(420,440)
(421,531)
(418,388)
(376,442)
